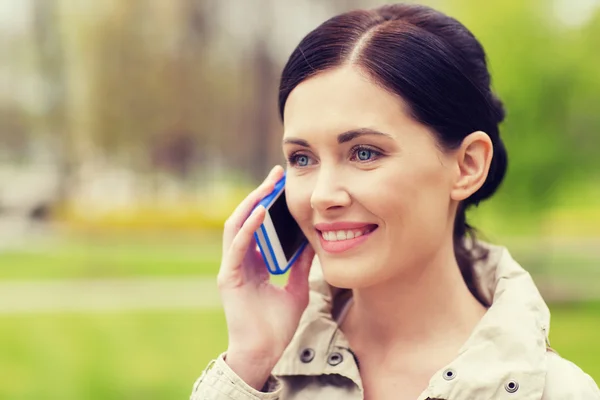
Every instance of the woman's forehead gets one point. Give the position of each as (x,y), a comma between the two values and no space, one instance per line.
(340,100)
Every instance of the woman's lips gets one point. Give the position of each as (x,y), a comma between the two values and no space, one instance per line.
(339,246)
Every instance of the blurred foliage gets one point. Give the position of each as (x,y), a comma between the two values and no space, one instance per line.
(76,254)
(187,89)
(546,74)
(184,216)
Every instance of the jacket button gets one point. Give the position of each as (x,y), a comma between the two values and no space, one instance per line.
(511,386)
(307,355)
(449,374)
(334,359)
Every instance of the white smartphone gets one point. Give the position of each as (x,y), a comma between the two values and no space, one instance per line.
(279,238)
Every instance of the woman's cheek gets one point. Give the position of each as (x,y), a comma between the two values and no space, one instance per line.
(298,201)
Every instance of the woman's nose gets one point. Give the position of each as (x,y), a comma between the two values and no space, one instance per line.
(329,193)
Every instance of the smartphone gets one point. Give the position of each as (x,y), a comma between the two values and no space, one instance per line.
(279,238)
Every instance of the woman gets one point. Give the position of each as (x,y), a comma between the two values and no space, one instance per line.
(391,133)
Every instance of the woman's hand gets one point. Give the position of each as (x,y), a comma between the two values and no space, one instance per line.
(261,317)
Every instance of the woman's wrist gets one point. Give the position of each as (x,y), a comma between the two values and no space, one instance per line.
(252,368)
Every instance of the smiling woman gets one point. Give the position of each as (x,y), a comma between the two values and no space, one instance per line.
(391,134)
(402,180)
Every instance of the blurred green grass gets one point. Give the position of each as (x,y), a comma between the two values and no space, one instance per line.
(134,254)
(113,255)
(158,355)
(154,355)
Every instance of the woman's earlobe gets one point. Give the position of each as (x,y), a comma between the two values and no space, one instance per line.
(474,158)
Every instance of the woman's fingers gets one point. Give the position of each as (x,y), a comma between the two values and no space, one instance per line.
(256,271)
(239,215)
(231,274)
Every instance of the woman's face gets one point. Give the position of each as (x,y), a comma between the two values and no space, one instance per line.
(368,185)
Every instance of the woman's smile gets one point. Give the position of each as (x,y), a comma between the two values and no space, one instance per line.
(341,236)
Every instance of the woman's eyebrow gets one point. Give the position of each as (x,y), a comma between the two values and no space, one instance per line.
(355,133)
(299,142)
(342,137)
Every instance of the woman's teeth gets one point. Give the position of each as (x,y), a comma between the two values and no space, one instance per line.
(334,236)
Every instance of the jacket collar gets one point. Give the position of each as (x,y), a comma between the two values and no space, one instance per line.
(506,349)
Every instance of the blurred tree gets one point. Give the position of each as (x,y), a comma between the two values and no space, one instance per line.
(148,70)
(583,109)
(14,134)
(151,82)
(51,67)
(265,134)
(534,69)
(175,152)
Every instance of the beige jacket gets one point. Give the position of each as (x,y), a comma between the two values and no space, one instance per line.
(506,357)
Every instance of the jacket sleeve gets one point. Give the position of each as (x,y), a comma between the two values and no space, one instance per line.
(566,381)
(219,382)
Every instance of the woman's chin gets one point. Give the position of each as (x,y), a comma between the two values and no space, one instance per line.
(343,276)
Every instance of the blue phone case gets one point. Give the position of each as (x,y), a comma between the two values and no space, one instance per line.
(274,269)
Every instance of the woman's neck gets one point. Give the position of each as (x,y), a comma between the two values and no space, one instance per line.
(429,305)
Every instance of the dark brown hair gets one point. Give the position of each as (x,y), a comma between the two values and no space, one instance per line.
(435,65)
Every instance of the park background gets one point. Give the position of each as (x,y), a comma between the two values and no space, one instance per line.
(129,130)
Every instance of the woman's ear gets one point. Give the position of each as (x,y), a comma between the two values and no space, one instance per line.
(473,159)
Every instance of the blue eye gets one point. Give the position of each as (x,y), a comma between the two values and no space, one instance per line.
(302,160)
(299,160)
(364,154)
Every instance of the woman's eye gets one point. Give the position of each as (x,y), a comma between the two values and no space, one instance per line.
(299,160)
(365,154)
(302,161)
